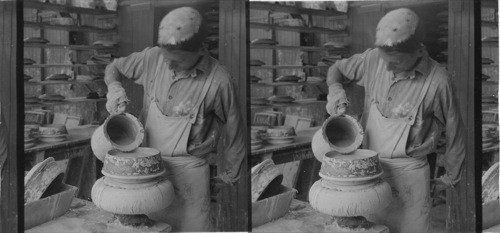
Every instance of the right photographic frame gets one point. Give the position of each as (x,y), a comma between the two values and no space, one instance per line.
(375,116)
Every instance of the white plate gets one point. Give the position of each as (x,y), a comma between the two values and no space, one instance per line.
(279,141)
(52,135)
(280,138)
(51,140)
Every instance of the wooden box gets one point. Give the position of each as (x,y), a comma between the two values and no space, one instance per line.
(271,208)
(48,208)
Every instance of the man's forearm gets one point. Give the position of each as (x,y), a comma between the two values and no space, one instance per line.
(111,74)
(334,75)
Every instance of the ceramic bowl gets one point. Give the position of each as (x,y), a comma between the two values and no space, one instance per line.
(52,129)
(359,164)
(281,131)
(140,162)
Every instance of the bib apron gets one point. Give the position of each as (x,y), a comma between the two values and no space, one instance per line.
(189,174)
(409,177)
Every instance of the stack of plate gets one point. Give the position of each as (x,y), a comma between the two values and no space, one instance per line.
(63,21)
(288,78)
(30,133)
(52,133)
(255,62)
(264,42)
(278,135)
(489,135)
(36,40)
(255,144)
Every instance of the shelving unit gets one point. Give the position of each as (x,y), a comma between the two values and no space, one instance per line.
(489,27)
(74,49)
(308,48)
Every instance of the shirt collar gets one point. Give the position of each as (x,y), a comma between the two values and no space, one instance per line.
(422,69)
(202,66)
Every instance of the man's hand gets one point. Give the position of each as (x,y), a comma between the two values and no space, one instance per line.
(117,98)
(337,100)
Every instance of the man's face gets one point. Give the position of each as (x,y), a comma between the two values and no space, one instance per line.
(180,60)
(398,62)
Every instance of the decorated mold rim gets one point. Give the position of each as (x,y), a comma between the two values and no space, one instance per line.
(351,178)
(142,152)
(263,175)
(352,127)
(49,170)
(131,179)
(137,128)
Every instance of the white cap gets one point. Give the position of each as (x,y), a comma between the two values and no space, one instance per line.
(179,25)
(396,27)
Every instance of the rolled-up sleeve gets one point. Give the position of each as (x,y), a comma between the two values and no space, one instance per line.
(133,65)
(446,111)
(353,68)
(228,111)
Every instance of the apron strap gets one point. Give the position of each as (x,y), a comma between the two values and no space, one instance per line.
(204,91)
(425,88)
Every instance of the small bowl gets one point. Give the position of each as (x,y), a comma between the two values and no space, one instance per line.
(281,131)
(52,129)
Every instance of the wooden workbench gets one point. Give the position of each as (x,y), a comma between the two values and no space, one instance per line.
(83,216)
(80,171)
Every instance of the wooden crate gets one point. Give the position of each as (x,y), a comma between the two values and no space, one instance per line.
(271,208)
(48,208)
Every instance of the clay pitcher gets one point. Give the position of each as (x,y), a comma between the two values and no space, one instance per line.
(121,131)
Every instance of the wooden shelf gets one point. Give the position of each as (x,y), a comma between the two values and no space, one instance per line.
(65,46)
(66,101)
(296,103)
(60,65)
(285,67)
(301,48)
(61,82)
(332,33)
(263,84)
(489,3)
(65,8)
(489,43)
(489,24)
(67,28)
(296,10)
(489,65)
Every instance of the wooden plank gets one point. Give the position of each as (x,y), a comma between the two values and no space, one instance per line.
(461,201)
(68,28)
(296,10)
(234,214)
(332,33)
(10,63)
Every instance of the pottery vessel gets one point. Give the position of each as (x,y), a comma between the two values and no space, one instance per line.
(143,198)
(140,162)
(52,129)
(281,131)
(122,131)
(319,145)
(347,200)
(343,133)
(358,164)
